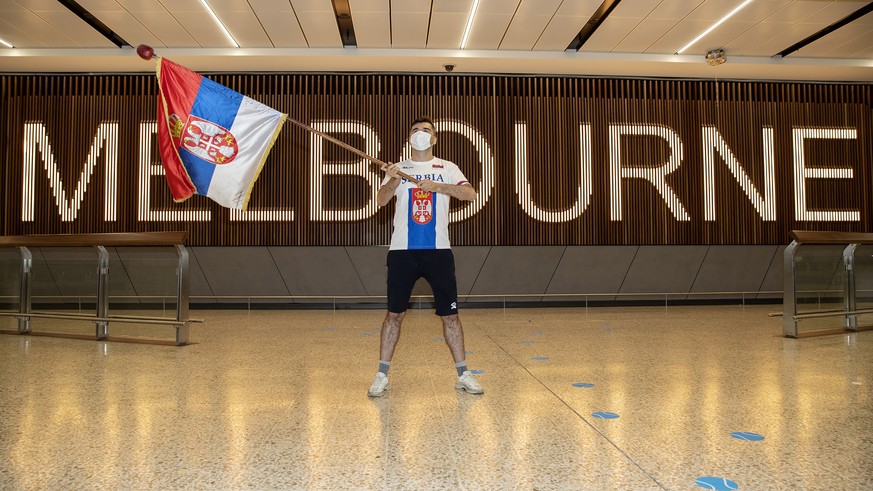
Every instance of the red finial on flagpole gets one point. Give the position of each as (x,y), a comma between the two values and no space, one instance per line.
(145,52)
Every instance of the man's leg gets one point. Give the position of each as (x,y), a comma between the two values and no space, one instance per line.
(441,276)
(454,335)
(402,274)
(439,271)
(387,343)
(390,335)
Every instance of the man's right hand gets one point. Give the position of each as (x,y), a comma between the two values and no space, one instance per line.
(386,192)
(392,170)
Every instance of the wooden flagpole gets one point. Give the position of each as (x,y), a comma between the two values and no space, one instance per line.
(349,148)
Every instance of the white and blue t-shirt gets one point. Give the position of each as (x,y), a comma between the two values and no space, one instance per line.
(421,219)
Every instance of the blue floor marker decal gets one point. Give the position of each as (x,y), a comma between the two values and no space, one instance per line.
(605,415)
(477,372)
(540,358)
(367,334)
(439,339)
(468,352)
(528,341)
(716,483)
(747,435)
(583,385)
(537,332)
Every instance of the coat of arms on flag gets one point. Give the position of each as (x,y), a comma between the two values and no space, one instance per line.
(213,140)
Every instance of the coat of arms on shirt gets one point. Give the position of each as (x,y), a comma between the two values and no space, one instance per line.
(422,206)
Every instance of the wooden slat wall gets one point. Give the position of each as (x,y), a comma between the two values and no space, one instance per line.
(562,118)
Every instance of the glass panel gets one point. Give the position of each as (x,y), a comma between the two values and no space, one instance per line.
(820,283)
(864,282)
(143,279)
(142,283)
(64,280)
(10,285)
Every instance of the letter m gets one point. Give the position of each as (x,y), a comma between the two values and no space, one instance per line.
(37,146)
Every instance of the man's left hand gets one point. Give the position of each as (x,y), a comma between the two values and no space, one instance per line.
(428,185)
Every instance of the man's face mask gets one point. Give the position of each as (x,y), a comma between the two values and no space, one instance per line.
(420,140)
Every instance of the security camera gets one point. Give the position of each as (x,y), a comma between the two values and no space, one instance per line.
(449,67)
(715,57)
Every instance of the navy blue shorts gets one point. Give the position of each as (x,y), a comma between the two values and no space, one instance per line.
(437,266)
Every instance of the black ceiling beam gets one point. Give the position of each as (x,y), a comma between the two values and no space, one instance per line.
(861,12)
(343,14)
(94,22)
(593,24)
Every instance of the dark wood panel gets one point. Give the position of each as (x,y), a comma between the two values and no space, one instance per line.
(561,160)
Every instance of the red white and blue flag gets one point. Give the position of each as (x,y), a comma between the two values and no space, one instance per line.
(213,140)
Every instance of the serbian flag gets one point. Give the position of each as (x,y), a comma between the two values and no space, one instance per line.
(213,140)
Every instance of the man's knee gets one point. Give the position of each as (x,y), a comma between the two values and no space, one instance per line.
(394,317)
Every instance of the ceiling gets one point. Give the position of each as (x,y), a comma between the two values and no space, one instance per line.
(636,38)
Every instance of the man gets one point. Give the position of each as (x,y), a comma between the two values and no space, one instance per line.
(420,248)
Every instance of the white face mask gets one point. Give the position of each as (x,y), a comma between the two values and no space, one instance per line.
(420,140)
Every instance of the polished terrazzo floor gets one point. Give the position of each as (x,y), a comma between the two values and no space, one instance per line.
(277,400)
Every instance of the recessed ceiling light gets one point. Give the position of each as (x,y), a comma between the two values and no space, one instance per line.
(704,33)
(469,23)
(220,25)
(4,43)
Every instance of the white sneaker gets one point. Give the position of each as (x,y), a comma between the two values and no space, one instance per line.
(467,382)
(380,385)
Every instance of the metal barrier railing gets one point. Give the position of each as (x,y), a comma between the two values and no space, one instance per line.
(576,298)
(840,272)
(101,317)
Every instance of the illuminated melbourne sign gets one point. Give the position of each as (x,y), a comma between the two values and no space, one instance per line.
(548,170)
